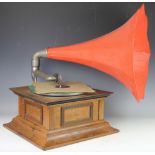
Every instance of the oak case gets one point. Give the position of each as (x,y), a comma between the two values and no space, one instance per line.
(52,125)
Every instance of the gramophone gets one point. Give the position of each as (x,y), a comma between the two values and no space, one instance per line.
(69,112)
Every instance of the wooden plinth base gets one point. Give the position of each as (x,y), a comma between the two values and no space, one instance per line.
(46,139)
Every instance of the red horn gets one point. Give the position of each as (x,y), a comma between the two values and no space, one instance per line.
(123,53)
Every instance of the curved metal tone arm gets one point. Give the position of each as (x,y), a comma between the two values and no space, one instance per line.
(35,68)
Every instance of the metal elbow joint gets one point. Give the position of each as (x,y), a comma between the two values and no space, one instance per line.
(36,72)
(36,62)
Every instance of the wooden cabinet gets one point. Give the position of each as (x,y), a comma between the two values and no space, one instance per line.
(51,122)
(62,115)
